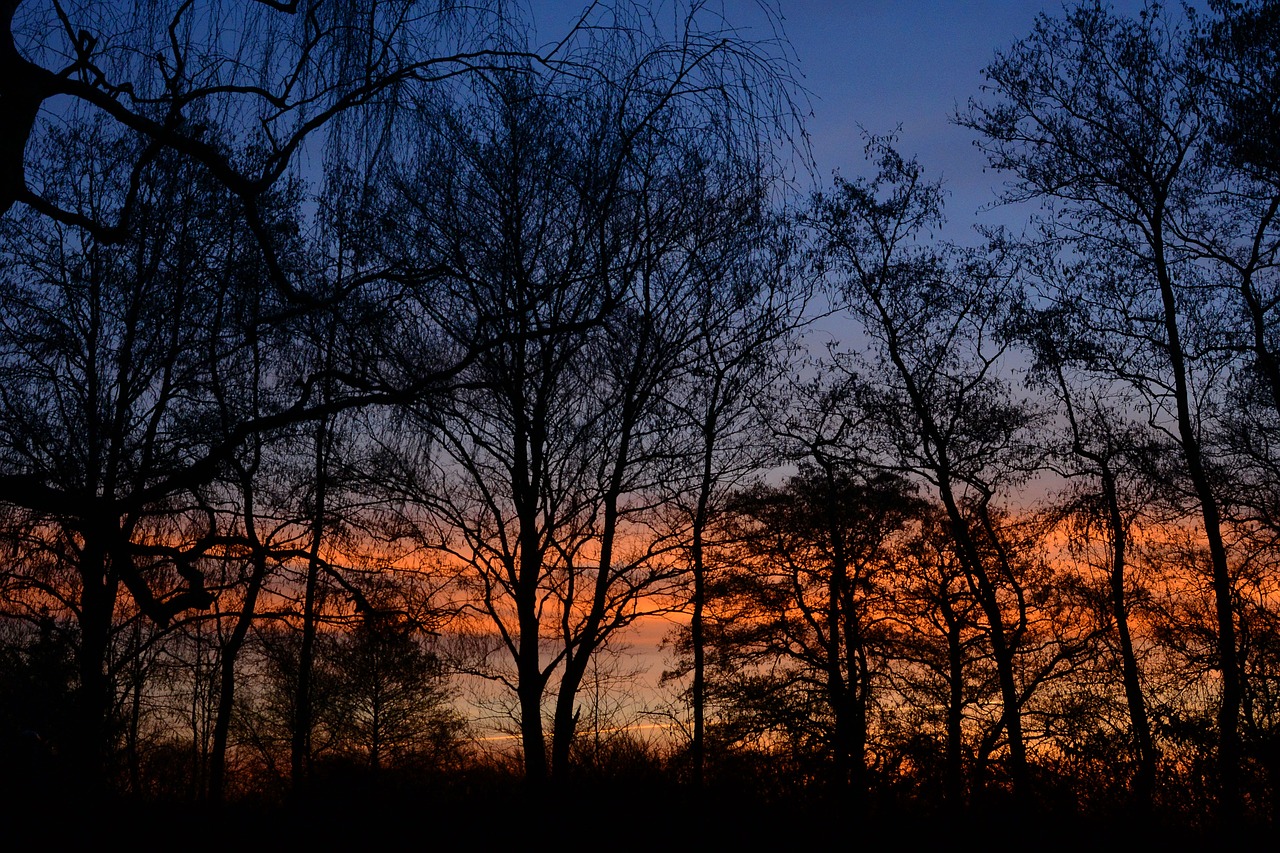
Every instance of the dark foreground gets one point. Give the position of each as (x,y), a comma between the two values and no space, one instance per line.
(589,817)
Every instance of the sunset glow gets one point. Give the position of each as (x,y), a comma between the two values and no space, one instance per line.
(457,422)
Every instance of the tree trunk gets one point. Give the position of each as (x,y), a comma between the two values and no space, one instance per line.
(92,733)
(529,691)
(1229,707)
(697,630)
(300,746)
(531,681)
(954,773)
(231,652)
(1144,783)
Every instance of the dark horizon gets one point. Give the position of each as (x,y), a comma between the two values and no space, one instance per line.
(375,377)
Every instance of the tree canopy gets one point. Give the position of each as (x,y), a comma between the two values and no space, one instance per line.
(372,376)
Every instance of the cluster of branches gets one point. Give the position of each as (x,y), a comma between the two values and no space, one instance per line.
(1117,358)
(351,311)
(290,451)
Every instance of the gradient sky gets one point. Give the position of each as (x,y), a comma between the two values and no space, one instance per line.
(881,64)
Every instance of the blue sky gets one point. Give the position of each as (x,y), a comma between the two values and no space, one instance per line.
(881,64)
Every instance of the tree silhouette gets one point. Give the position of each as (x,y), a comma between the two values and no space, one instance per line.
(936,320)
(1176,234)
(816,552)
(560,221)
(392,700)
(235,91)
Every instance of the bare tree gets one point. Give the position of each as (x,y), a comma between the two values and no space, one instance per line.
(820,549)
(106,347)
(1111,463)
(936,325)
(553,213)
(1108,119)
(746,323)
(234,90)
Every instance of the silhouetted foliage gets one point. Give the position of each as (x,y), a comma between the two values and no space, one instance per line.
(37,685)
(800,645)
(370,379)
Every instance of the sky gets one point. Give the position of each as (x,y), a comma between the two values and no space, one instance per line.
(887,65)
(881,64)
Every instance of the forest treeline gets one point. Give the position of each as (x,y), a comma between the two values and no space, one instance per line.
(369,371)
